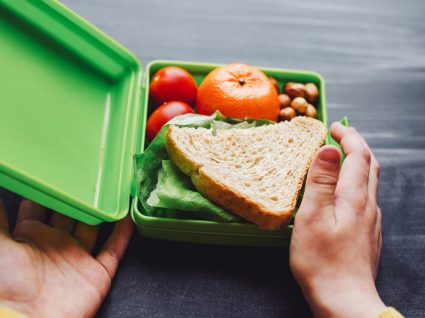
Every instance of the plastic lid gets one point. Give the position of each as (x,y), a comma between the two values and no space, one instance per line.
(69,107)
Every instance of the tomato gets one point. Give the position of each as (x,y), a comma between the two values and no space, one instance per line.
(163,114)
(172,84)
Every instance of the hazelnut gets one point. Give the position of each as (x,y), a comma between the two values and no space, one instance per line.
(311,111)
(312,92)
(284,100)
(287,113)
(299,104)
(274,83)
(295,90)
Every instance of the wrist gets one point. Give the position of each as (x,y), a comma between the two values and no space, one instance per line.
(345,298)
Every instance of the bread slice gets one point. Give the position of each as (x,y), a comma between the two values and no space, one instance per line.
(256,173)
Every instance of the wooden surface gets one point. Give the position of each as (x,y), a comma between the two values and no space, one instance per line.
(372,55)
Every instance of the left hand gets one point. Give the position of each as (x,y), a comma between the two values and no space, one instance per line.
(47,270)
(336,242)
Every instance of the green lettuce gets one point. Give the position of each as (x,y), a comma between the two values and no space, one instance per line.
(163,190)
(175,190)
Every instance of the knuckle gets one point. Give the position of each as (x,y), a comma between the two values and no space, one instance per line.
(365,154)
(113,254)
(25,225)
(324,178)
(303,218)
(361,203)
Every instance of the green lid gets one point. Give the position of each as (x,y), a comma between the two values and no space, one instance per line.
(69,108)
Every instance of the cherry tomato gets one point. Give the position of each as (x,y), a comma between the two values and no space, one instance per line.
(172,84)
(163,114)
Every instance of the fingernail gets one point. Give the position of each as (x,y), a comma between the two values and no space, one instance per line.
(337,124)
(330,156)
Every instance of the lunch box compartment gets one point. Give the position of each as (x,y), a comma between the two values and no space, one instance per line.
(74,110)
(211,232)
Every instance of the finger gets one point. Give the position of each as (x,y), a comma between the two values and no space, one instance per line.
(49,240)
(29,210)
(4,224)
(62,222)
(374,179)
(113,250)
(322,180)
(87,235)
(35,232)
(373,174)
(354,174)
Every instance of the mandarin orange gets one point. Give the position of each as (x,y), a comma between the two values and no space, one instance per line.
(239,91)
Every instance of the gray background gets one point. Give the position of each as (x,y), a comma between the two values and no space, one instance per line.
(372,55)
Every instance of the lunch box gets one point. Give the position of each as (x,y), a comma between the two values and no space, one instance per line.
(73,110)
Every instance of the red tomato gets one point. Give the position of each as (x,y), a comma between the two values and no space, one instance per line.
(163,114)
(172,84)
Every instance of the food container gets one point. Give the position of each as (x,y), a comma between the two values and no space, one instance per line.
(73,110)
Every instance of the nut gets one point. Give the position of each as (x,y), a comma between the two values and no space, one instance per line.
(287,113)
(274,83)
(295,90)
(311,111)
(312,92)
(284,100)
(299,104)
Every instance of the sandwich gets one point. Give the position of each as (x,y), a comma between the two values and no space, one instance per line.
(252,172)
(255,173)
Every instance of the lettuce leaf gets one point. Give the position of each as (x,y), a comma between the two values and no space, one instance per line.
(174,190)
(163,190)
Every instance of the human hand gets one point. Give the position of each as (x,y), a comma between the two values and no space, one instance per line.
(336,241)
(47,270)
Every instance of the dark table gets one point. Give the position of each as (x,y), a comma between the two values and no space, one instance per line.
(372,55)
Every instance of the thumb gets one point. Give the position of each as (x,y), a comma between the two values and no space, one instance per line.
(322,179)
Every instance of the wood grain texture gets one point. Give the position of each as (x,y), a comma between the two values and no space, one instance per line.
(372,55)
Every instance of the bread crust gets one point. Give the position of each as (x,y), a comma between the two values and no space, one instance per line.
(229,199)
(186,165)
(218,193)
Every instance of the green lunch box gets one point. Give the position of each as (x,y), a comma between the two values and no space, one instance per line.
(73,109)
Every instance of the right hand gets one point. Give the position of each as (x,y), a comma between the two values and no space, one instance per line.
(336,242)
